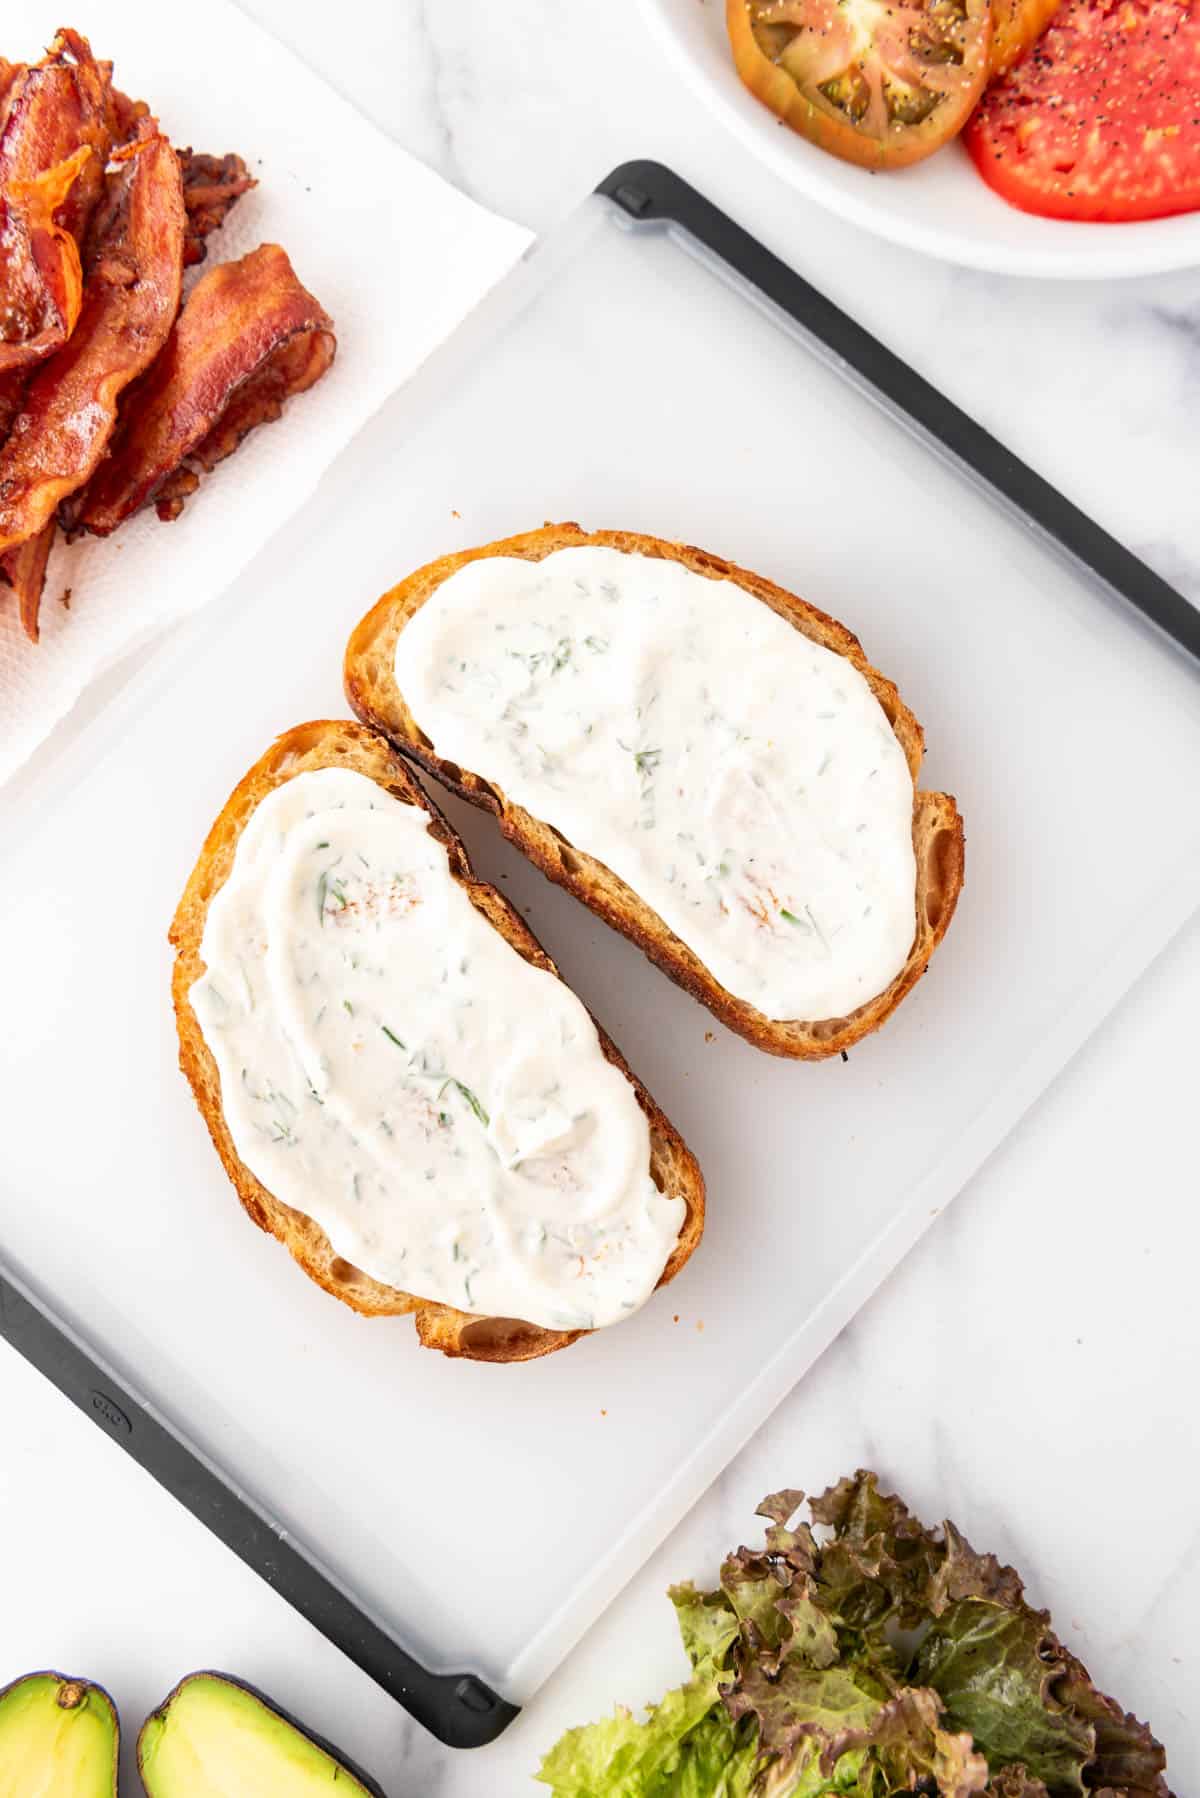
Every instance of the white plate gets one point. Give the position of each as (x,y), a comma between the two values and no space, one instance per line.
(941,207)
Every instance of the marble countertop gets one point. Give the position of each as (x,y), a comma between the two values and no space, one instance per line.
(1031,1369)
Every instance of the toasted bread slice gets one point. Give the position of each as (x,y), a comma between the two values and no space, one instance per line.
(937,827)
(341,744)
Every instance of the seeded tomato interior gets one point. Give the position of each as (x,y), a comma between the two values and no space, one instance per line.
(877,84)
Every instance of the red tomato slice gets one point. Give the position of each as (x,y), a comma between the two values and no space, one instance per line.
(1016,24)
(1101,120)
(879,82)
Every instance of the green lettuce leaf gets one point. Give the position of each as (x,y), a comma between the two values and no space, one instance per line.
(1015,1782)
(687,1747)
(994,1669)
(719,1761)
(708,1625)
(685,1738)
(1126,1759)
(893,1743)
(1005,1676)
(801,1703)
(866,1656)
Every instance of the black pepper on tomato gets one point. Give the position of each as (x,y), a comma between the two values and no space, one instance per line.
(879,82)
(1101,120)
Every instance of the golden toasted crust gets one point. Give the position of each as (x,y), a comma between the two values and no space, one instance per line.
(937,828)
(672,1165)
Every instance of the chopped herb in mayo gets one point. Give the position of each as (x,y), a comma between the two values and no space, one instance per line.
(742,779)
(393,1069)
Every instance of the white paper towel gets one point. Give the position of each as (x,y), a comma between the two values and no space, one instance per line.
(393,253)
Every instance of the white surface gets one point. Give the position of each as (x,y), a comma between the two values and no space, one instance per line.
(943,206)
(1032,1367)
(332,197)
(841,1165)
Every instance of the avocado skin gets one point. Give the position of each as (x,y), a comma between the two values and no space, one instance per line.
(369,1785)
(100,1777)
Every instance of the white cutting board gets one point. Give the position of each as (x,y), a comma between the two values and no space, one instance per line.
(487,1514)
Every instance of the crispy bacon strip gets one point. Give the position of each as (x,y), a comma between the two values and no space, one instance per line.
(41,282)
(12,386)
(211,185)
(56,130)
(58,106)
(259,400)
(42,123)
(10,74)
(130,301)
(24,568)
(249,337)
(129,114)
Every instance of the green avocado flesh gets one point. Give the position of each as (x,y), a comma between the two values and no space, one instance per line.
(214,1739)
(58,1739)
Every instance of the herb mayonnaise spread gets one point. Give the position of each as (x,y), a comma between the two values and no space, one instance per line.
(394,1070)
(742,779)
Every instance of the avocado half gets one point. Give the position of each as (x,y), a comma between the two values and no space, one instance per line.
(215,1737)
(59,1738)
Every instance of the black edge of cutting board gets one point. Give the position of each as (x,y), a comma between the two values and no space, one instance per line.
(460,1709)
(650,193)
